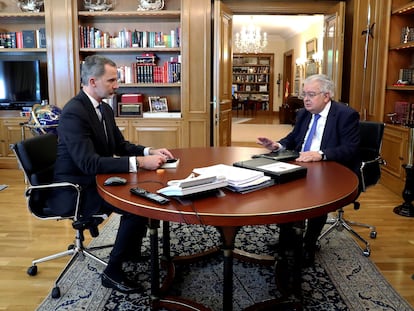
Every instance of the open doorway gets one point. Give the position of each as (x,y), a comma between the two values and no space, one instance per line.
(286,42)
(224,12)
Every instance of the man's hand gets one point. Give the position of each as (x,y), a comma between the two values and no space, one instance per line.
(268,143)
(309,156)
(150,162)
(155,159)
(162,152)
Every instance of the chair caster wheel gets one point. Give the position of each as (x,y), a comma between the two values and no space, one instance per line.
(32,270)
(366,252)
(56,292)
(373,234)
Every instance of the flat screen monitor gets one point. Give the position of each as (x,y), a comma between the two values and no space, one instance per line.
(20,83)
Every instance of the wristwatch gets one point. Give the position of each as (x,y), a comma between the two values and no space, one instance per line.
(322,155)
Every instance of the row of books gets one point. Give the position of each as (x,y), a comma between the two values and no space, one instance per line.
(404,113)
(169,72)
(91,37)
(406,75)
(35,38)
(407,34)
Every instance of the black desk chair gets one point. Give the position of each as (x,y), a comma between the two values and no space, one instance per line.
(36,157)
(370,173)
(236,105)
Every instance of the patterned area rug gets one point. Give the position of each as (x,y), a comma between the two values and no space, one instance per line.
(342,278)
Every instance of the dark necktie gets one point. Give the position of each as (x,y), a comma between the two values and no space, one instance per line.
(308,142)
(101,118)
(99,112)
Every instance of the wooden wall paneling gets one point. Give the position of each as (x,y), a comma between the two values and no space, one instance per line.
(196,78)
(375,67)
(61,67)
(165,134)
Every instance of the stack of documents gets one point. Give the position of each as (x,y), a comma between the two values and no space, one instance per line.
(239,179)
(193,185)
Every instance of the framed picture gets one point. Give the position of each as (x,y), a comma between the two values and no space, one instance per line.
(158,104)
(311,47)
(311,68)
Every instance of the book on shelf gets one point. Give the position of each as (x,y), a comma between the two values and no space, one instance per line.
(407,75)
(29,38)
(402,111)
(41,38)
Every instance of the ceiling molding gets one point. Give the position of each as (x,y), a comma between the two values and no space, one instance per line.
(280,7)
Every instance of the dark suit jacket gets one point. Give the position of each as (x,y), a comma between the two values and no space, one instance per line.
(84,151)
(340,140)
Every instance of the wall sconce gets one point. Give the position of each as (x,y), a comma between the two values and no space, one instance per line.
(318,58)
(300,74)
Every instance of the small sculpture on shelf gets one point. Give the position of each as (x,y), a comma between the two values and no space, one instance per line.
(30,5)
(146,5)
(99,5)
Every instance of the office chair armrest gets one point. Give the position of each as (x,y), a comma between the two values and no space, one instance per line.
(378,159)
(76,187)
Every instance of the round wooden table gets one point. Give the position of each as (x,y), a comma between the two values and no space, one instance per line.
(326,187)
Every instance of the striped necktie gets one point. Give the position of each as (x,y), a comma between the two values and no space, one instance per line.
(308,142)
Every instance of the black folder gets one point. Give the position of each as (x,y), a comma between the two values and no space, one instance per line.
(282,155)
(280,171)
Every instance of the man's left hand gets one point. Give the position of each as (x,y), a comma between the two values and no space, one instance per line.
(309,156)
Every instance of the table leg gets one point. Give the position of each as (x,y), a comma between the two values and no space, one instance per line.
(155,269)
(228,235)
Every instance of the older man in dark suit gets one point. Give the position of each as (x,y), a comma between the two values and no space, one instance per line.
(325,130)
(90,143)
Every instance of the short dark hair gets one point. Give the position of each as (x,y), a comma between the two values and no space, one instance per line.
(94,66)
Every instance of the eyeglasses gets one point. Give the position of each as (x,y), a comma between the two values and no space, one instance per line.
(311,94)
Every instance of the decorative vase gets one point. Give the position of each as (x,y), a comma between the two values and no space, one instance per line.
(30,5)
(99,5)
(147,5)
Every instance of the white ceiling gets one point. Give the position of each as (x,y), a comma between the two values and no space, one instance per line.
(286,26)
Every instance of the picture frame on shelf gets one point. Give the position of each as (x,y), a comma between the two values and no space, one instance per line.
(311,48)
(158,104)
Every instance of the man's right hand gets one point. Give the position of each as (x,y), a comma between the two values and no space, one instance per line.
(268,143)
(151,162)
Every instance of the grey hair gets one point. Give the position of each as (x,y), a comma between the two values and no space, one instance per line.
(94,66)
(325,83)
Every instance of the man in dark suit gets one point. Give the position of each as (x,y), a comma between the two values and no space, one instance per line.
(90,143)
(335,137)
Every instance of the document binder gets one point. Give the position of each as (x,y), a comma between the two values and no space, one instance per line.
(281,172)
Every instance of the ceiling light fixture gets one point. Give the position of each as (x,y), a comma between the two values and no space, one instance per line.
(249,39)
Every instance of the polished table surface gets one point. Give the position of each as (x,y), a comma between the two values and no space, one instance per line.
(326,187)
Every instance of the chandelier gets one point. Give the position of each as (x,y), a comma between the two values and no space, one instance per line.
(249,39)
